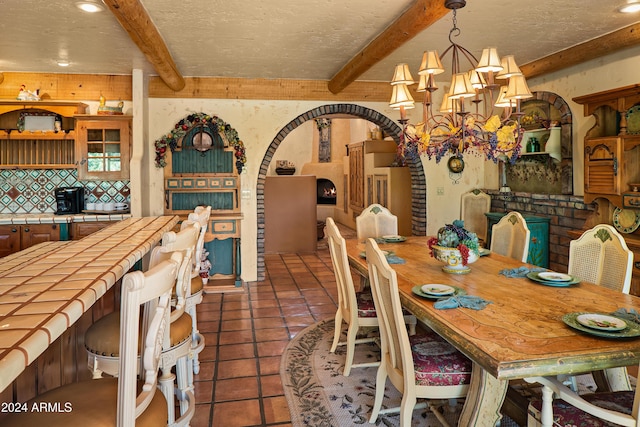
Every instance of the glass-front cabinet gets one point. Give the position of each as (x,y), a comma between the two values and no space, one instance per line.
(103,144)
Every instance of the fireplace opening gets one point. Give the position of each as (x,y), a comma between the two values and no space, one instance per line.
(326,192)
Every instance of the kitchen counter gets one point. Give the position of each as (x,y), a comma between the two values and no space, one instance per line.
(50,218)
(46,288)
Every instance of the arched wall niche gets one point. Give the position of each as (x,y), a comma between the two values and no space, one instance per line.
(418,181)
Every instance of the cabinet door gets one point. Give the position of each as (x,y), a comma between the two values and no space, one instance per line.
(381,190)
(601,166)
(356,177)
(9,239)
(83,229)
(32,234)
(103,148)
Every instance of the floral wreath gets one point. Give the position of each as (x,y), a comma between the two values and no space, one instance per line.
(215,124)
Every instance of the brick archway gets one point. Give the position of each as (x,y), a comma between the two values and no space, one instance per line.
(418,181)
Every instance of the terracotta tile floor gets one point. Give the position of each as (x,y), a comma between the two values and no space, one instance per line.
(239,382)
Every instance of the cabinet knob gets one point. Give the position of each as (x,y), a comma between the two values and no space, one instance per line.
(14,230)
(26,230)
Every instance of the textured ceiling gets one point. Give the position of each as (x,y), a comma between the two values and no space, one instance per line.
(301,39)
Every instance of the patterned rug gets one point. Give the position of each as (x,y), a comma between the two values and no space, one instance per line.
(319,395)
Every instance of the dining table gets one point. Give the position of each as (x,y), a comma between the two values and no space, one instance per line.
(527,330)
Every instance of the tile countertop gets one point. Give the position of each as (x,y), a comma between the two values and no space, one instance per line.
(62,281)
(50,218)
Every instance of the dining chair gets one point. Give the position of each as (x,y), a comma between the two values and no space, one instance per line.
(102,336)
(510,237)
(560,406)
(356,309)
(376,221)
(419,366)
(601,256)
(201,215)
(125,400)
(473,205)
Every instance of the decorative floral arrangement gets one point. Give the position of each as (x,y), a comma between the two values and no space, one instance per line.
(456,236)
(205,265)
(215,124)
(492,139)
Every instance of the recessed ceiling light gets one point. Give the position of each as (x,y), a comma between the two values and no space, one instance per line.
(630,7)
(63,63)
(90,6)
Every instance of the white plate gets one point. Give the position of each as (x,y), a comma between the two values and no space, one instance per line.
(435,289)
(552,276)
(601,322)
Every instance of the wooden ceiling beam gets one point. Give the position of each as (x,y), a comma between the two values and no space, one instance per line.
(592,49)
(136,21)
(420,15)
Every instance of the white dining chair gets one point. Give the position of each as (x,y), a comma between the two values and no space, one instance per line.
(356,309)
(473,206)
(125,400)
(562,407)
(376,221)
(421,366)
(510,237)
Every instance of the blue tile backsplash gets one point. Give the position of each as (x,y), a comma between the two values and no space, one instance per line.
(29,191)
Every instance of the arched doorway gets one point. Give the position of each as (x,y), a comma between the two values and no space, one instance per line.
(418,182)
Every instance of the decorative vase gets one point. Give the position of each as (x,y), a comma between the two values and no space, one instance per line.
(452,258)
(205,280)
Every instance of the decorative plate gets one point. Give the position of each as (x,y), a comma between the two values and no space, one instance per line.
(601,322)
(393,239)
(417,289)
(552,276)
(633,120)
(534,275)
(626,220)
(438,290)
(631,331)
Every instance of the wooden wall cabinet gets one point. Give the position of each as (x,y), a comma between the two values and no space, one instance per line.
(611,153)
(14,238)
(41,149)
(103,145)
(372,180)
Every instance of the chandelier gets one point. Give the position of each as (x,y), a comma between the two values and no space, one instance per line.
(477,114)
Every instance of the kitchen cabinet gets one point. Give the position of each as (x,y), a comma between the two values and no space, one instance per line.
(14,238)
(83,229)
(611,152)
(356,177)
(103,147)
(391,188)
(50,147)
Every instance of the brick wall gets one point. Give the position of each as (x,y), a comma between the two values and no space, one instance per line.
(566,213)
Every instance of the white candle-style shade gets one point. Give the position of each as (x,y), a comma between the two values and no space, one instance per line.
(431,63)
(477,79)
(402,75)
(489,61)
(509,68)
(401,97)
(447,104)
(518,88)
(501,102)
(461,87)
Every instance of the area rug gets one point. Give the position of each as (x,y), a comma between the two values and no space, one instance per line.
(319,395)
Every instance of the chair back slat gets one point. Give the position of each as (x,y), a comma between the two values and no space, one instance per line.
(376,221)
(510,237)
(346,290)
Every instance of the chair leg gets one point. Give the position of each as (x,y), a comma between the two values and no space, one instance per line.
(406,409)
(182,371)
(352,332)
(381,379)
(337,332)
(166,381)
(546,416)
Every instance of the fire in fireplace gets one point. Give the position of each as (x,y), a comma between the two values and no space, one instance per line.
(326,192)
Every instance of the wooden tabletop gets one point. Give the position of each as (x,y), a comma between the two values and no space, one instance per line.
(46,288)
(521,334)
